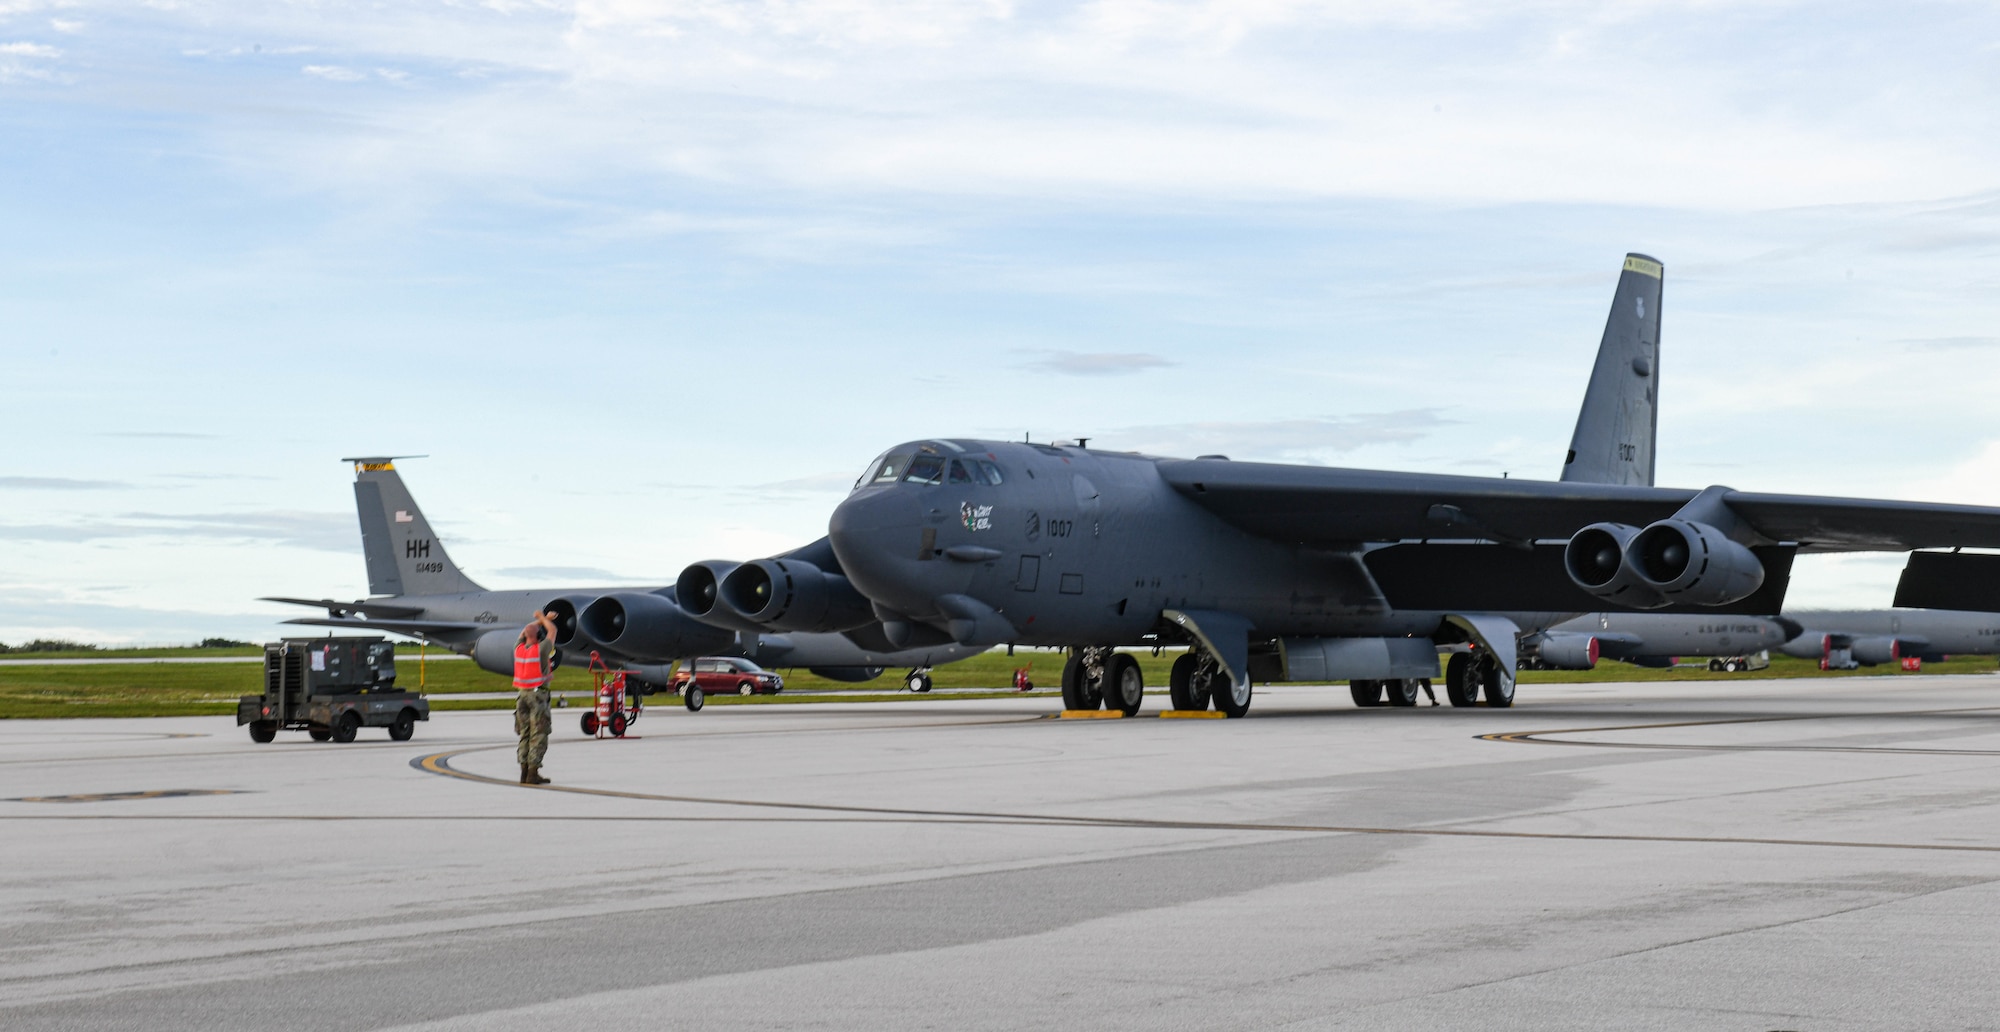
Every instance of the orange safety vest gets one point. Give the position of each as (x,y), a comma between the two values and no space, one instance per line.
(528,666)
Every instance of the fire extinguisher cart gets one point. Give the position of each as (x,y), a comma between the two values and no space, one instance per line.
(619,705)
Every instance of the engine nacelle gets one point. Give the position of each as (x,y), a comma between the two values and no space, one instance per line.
(699,592)
(1693,563)
(648,627)
(493,651)
(566,608)
(1875,651)
(1595,559)
(794,595)
(1568,651)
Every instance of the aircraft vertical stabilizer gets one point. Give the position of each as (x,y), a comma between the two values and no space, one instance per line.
(404,556)
(1619,423)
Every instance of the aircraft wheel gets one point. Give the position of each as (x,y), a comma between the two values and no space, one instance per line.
(263,730)
(1366,693)
(1124,684)
(1495,684)
(1459,686)
(1181,690)
(693,697)
(918,682)
(589,724)
(1402,692)
(346,726)
(405,726)
(1077,690)
(1731,667)
(618,725)
(1232,699)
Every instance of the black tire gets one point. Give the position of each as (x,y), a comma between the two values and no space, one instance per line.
(1495,684)
(344,729)
(1181,690)
(746,688)
(405,726)
(262,731)
(918,682)
(1730,667)
(1124,684)
(589,724)
(1401,692)
(693,697)
(1365,693)
(618,725)
(1460,689)
(320,734)
(1227,698)
(1714,666)
(1077,691)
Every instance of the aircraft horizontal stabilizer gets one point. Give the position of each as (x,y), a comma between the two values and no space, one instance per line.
(385,610)
(414,627)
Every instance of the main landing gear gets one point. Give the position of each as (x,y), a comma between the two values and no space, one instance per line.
(1468,675)
(1197,680)
(1398,692)
(1097,677)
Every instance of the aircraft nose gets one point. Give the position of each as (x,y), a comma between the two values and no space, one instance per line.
(876,535)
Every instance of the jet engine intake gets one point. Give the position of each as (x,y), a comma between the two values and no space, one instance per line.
(699,592)
(1596,561)
(565,609)
(1693,563)
(648,627)
(1568,651)
(794,595)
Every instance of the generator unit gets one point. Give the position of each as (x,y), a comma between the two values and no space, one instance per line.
(331,688)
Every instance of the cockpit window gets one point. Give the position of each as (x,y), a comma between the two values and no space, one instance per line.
(990,472)
(958,474)
(887,468)
(927,469)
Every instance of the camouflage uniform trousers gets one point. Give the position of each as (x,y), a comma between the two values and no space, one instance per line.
(533,721)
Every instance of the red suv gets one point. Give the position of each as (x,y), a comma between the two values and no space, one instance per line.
(724,674)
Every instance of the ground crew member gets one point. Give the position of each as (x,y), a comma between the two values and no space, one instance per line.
(532,720)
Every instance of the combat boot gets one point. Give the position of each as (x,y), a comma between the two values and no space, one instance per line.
(524,774)
(535,776)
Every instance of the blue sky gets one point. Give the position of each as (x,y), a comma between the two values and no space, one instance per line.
(684,268)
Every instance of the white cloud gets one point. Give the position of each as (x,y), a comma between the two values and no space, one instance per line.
(39,50)
(1097,363)
(334,73)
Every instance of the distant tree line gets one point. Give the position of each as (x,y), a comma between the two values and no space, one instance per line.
(65,645)
(49,645)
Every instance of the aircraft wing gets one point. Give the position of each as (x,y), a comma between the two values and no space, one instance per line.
(1311,504)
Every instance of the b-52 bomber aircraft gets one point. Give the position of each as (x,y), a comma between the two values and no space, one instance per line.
(1273,572)
(420,593)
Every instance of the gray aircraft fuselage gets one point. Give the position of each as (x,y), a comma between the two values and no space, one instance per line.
(1660,635)
(1077,546)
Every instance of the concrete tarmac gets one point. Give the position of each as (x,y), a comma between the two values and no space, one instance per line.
(1814,854)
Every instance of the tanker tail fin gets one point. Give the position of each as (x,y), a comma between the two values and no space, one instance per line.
(404,556)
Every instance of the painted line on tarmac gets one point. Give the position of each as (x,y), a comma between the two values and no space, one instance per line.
(1542,737)
(440,764)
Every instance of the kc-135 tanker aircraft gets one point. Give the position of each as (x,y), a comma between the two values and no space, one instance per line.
(1272,572)
(420,593)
